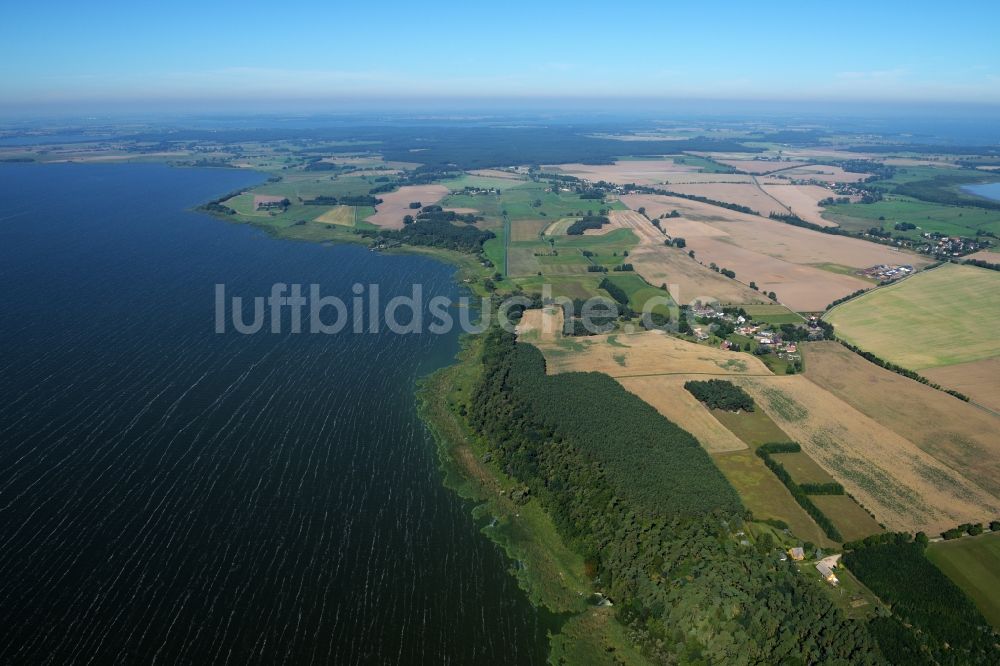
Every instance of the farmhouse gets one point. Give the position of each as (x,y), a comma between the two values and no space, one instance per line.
(826,567)
(268,202)
(887,273)
(797,553)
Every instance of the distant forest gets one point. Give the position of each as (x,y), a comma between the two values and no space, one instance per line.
(462,146)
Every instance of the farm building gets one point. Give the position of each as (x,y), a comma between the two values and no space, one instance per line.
(267,202)
(826,567)
(797,553)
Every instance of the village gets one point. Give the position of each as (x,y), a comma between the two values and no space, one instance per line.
(740,332)
(942,246)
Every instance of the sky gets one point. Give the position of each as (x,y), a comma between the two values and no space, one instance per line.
(59,54)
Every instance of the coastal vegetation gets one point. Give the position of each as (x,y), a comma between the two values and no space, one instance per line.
(660,552)
(650,524)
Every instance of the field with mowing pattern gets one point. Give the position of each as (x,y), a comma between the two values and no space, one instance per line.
(342,215)
(976,379)
(960,435)
(904,486)
(647,353)
(941,317)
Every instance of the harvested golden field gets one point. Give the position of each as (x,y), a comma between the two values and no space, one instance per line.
(819,154)
(342,215)
(776,239)
(650,364)
(639,224)
(743,194)
(687,279)
(790,261)
(980,380)
(645,353)
(824,173)
(943,316)
(389,214)
(801,288)
(668,396)
(527,230)
(906,488)
(706,178)
(802,200)
(640,172)
(958,434)
(986,255)
(540,325)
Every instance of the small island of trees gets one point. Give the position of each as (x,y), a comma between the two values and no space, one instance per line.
(720,394)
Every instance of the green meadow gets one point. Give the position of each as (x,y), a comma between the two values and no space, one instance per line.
(928,217)
(938,317)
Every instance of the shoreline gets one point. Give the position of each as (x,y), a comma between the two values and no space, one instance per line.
(547,570)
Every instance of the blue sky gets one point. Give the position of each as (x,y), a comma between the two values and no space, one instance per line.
(56,52)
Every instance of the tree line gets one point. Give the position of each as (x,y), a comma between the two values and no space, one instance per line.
(586,222)
(932,621)
(765,452)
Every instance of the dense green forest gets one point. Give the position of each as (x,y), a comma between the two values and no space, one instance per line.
(436,233)
(650,461)
(456,146)
(949,628)
(655,519)
(586,222)
(720,394)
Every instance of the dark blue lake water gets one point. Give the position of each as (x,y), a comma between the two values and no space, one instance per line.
(169,494)
(988,190)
